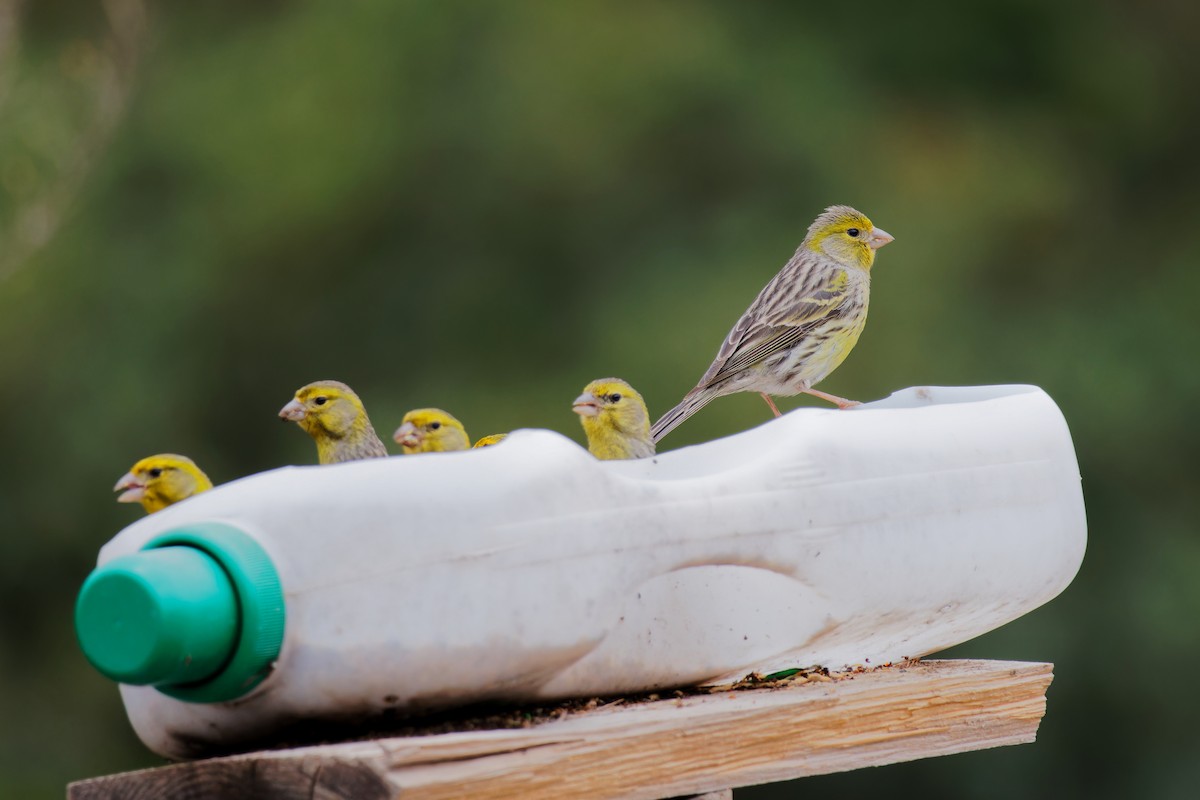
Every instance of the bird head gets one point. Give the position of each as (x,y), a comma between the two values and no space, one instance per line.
(846,236)
(430,430)
(158,481)
(325,409)
(488,441)
(610,405)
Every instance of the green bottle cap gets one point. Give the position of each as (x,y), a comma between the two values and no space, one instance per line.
(198,613)
(162,616)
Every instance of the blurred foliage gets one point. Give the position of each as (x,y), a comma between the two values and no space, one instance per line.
(482,206)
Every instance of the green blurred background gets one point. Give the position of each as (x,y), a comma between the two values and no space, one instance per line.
(483,205)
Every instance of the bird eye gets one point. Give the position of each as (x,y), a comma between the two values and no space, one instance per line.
(321,400)
(852,231)
(615,397)
(433,426)
(154,473)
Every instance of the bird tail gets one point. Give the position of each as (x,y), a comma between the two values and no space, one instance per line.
(692,402)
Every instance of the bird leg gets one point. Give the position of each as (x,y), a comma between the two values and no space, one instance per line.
(840,402)
(771,403)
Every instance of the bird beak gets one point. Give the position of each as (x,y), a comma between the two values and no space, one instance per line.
(134,490)
(407,435)
(879,238)
(293,411)
(586,405)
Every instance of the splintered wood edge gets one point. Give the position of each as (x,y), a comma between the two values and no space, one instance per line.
(648,750)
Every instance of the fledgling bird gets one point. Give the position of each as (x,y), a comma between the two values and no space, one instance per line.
(488,441)
(803,323)
(430,430)
(615,419)
(331,413)
(160,480)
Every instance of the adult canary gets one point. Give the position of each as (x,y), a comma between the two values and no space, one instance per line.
(615,420)
(160,480)
(430,430)
(331,413)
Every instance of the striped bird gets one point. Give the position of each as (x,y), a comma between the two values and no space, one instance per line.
(803,323)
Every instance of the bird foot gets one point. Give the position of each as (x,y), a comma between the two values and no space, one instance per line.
(840,402)
(770,404)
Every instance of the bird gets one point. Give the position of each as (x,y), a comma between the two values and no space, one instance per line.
(331,413)
(160,480)
(489,440)
(803,323)
(615,420)
(430,430)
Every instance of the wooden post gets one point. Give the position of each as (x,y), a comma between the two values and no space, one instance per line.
(673,747)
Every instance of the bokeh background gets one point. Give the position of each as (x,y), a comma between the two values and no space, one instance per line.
(483,205)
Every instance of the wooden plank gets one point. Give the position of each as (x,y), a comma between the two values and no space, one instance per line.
(649,750)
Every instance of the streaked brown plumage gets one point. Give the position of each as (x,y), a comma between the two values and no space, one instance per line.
(803,323)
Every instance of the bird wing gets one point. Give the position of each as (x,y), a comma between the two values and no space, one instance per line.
(770,326)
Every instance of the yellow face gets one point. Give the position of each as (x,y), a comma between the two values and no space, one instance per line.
(847,236)
(613,415)
(610,396)
(430,430)
(158,481)
(325,408)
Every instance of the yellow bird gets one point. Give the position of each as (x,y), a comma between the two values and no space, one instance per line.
(615,420)
(488,441)
(158,481)
(331,413)
(803,323)
(430,430)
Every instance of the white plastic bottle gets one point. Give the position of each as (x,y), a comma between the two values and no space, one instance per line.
(530,570)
